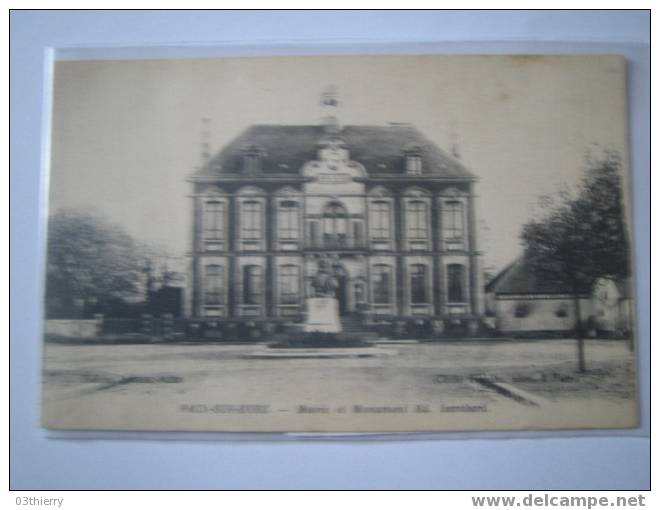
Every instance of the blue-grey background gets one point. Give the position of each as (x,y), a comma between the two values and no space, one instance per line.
(612,460)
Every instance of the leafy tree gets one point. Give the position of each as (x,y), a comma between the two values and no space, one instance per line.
(582,237)
(89,262)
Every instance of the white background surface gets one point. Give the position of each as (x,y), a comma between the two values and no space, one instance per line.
(604,460)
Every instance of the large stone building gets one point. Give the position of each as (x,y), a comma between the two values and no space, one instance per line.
(392,212)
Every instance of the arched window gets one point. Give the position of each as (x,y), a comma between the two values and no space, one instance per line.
(288,227)
(214,217)
(382,278)
(418,284)
(213,284)
(452,220)
(416,219)
(289,284)
(334,225)
(252,285)
(251,220)
(379,220)
(455,283)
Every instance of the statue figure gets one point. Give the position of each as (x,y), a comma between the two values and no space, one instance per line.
(322,311)
(324,282)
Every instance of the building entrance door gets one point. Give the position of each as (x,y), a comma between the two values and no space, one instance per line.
(340,294)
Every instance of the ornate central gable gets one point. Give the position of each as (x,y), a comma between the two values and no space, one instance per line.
(333,166)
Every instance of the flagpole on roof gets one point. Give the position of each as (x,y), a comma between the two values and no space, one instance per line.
(205,144)
(453,140)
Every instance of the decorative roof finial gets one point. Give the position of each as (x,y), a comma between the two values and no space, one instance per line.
(205,139)
(330,104)
(329,96)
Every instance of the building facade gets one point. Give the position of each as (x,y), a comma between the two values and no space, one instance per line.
(392,213)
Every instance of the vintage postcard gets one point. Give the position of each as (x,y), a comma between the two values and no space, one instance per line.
(339,244)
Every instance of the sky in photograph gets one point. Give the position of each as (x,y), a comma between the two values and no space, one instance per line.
(126,134)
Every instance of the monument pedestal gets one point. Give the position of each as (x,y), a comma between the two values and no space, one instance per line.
(322,315)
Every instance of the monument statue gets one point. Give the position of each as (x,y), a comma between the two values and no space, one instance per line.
(323,309)
(324,282)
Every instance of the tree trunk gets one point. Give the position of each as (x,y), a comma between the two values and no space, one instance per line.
(578,330)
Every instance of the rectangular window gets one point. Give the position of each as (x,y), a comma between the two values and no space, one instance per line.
(289,285)
(455,283)
(314,234)
(214,214)
(382,277)
(379,220)
(416,220)
(251,220)
(357,235)
(288,221)
(213,285)
(452,220)
(252,285)
(418,284)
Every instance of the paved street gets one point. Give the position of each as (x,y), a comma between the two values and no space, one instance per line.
(432,387)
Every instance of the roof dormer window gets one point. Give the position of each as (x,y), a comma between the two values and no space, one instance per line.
(414,165)
(413,156)
(252,160)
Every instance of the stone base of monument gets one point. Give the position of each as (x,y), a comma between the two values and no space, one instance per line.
(322,315)
(322,329)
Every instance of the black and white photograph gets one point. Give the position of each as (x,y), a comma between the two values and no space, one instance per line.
(391,243)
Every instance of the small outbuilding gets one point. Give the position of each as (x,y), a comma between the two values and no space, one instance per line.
(521,301)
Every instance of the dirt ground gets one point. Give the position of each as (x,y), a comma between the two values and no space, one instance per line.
(417,386)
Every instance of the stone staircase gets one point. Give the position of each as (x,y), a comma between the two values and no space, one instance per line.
(352,324)
(353,334)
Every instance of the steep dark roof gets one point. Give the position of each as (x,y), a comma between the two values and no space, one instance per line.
(518,278)
(379,148)
(495,280)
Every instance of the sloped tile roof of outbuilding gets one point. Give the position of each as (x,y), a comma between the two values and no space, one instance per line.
(519,278)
